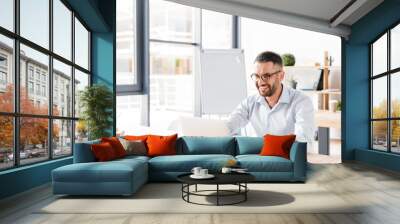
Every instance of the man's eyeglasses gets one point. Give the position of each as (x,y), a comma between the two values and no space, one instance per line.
(264,77)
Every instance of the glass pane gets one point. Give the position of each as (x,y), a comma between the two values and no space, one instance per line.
(379,135)
(395,136)
(6,142)
(6,74)
(216,30)
(126,42)
(395,94)
(379,98)
(171,83)
(395,47)
(62,29)
(35,21)
(170,59)
(379,55)
(81,81)
(81,131)
(33,139)
(7,14)
(34,80)
(81,45)
(171,21)
(62,89)
(129,114)
(62,138)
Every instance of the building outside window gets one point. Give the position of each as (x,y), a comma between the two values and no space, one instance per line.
(30,72)
(30,87)
(3,61)
(38,89)
(37,74)
(44,91)
(3,78)
(3,72)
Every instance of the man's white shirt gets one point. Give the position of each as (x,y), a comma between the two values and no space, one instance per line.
(293,114)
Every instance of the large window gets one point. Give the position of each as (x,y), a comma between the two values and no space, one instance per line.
(173,30)
(385,97)
(40,83)
(126,42)
(175,38)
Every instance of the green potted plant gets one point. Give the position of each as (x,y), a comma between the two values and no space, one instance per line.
(288,59)
(96,102)
(339,106)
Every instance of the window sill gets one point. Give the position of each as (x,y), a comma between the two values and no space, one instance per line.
(30,166)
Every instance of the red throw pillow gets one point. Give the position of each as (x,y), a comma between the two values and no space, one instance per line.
(161,145)
(116,145)
(103,152)
(277,145)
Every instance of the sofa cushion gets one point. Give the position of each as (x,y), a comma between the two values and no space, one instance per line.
(161,145)
(257,163)
(103,152)
(185,163)
(83,152)
(136,137)
(116,145)
(134,147)
(249,145)
(277,145)
(193,145)
(131,158)
(111,171)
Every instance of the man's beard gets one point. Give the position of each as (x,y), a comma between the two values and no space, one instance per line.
(271,90)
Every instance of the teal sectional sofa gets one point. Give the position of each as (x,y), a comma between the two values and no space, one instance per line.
(125,176)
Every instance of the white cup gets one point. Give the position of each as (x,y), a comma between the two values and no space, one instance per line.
(196,171)
(226,170)
(203,172)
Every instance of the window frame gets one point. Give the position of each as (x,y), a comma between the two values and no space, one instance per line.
(141,37)
(16,115)
(388,74)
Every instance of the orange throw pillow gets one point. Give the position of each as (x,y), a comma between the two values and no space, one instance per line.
(116,145)
(161,145)
(275,145)
(103,152)
(136,138)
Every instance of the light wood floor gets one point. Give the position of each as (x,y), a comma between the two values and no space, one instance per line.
(377,188)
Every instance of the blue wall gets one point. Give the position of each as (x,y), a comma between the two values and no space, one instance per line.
(356,96)
(99,16)
(104,53)
(24,178)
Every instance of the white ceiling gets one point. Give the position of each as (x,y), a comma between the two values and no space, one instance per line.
(313,15)
(319,9)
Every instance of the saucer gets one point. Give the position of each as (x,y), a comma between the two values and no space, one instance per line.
(208,176)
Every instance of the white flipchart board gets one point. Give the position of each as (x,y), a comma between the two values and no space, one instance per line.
(223,80)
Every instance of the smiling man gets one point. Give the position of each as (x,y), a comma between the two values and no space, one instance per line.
(276,109)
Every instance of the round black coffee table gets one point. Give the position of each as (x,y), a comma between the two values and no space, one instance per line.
(238,179)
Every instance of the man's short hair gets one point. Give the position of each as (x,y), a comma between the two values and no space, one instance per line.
(267,56)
